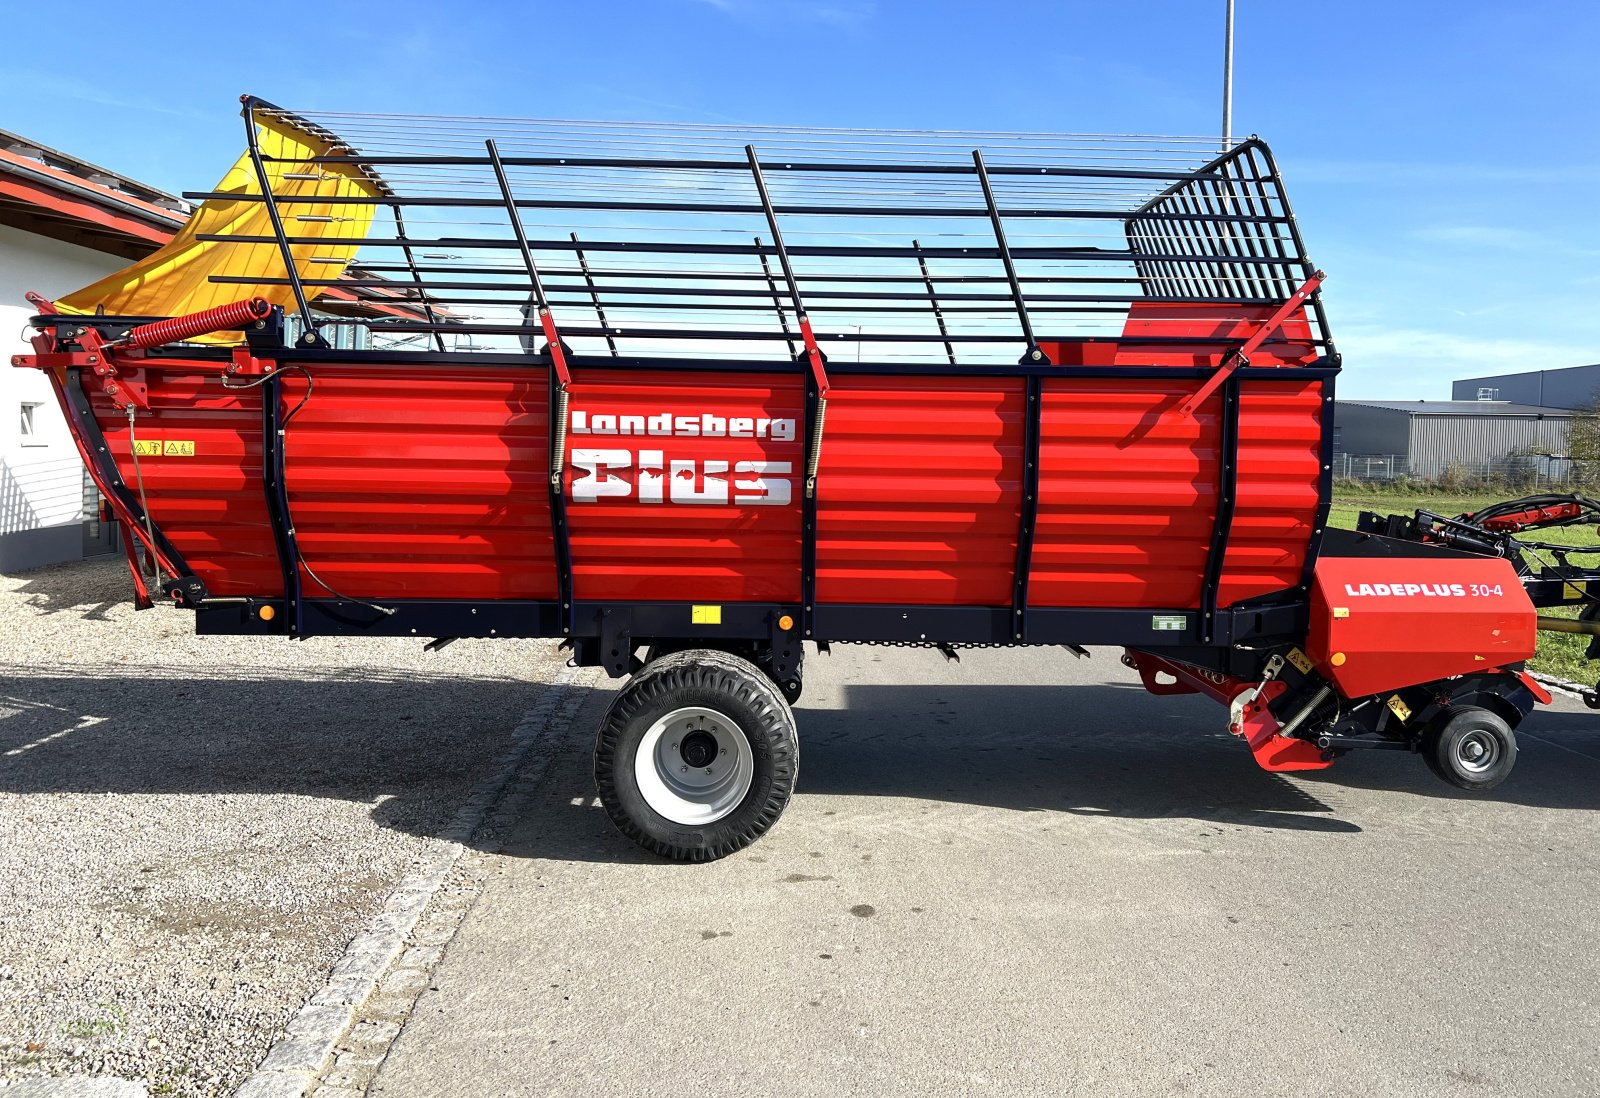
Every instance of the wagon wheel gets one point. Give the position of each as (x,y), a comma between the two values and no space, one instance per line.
(697,756)
(1471,748)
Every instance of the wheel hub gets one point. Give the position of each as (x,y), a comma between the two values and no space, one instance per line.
(694,766)
(698,748)
(1477,751)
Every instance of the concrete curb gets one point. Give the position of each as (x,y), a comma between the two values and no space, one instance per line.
(74,1087)
(306,1050)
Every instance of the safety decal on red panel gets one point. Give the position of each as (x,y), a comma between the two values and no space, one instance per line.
(152,447)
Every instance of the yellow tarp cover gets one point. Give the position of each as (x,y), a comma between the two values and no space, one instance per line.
(174,280)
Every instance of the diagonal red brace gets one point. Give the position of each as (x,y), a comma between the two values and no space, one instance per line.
(1241,356)
(558,353)
(814,353)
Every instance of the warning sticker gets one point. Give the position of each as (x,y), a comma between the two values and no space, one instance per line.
(152,447)
(705,615)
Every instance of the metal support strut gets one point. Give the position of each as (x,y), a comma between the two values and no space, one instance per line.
(309,336)
(557,349)
(933,299)
(1033,354)
(561,383)
(819,374)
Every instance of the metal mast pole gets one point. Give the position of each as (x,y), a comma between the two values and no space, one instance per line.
(1227,84)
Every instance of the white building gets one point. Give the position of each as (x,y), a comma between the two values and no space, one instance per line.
(63,224)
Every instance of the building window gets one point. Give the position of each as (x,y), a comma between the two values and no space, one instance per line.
(32,422)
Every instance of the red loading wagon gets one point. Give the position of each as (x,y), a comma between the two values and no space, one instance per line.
(692,402)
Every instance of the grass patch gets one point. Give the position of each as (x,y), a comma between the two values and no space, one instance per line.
(107,1020)
(1559,654)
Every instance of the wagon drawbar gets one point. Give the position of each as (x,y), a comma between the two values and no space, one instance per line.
(691,400)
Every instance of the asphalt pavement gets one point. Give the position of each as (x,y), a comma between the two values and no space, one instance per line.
(1022,875)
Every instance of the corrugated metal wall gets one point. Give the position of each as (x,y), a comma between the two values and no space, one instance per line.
(1571,387)
(1440,441)
(1363,429)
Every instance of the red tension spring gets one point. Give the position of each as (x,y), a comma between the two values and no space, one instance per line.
(223,317)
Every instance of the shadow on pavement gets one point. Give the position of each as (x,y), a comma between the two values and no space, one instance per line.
(412,745)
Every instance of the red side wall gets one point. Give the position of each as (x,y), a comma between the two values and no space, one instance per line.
(422,483)
(211,506)
(919,490)
(430,482)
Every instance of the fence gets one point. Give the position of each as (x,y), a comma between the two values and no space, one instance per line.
(1518,470)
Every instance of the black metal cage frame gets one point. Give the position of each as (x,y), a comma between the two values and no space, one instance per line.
(681,228)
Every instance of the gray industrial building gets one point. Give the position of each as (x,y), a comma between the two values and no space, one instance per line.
(1383,439)
(1571,387)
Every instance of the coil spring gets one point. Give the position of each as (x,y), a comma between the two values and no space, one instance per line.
(179,328)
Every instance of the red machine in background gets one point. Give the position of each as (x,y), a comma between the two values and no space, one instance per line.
(688,448)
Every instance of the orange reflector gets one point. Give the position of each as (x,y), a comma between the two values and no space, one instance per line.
(786,623)
(1337,659)
(266,613)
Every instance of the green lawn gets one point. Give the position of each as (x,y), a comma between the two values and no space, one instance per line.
(1559,654)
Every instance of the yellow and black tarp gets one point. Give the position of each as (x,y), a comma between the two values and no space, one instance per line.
(176,279)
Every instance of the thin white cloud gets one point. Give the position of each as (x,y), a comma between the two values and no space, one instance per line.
(1381,173)
(1499,238)
(1420,363)
(838,13)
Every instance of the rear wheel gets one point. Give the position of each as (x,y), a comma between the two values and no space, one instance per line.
(697,756)
(1471,748)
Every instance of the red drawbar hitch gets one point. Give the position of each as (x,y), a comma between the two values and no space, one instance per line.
(1241,356)
(1249,717)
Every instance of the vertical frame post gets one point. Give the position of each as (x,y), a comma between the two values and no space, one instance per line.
(560,383)
(1222,525)
(277,492)
(1032,422)
(816,408)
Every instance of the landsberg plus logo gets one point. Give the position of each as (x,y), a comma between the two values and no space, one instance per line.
(659,479)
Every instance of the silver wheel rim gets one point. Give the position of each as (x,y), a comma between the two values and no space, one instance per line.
(1477,751)
(694,766)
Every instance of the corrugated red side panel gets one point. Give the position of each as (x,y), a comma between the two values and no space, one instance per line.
(422,482)
(919,490)
(1275,506)
(709,525)
(1127,494)
(207,498)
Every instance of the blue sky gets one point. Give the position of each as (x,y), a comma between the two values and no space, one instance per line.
(1444,159)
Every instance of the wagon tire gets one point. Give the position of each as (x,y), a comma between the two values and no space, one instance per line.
(1470,748)
(697,755)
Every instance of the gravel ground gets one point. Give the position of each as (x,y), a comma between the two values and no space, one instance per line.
(196,827)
